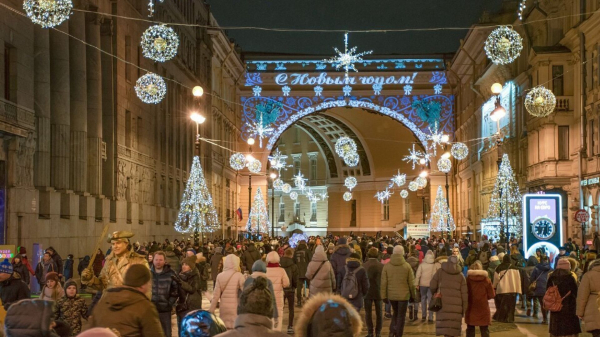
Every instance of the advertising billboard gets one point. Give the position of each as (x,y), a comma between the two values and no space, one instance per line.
(542,224)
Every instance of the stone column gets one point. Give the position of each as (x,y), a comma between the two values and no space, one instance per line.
(60,121)
(78,81)
(94,103)
(41,100)
(108,80)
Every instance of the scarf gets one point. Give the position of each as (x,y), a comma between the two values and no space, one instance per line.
(273,265)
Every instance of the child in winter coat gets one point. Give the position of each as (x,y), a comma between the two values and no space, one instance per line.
(52,291)
(71,308)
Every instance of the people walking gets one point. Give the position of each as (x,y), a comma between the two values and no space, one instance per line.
(319,273)
(280,280)
(12,288)
(451,284)
(302,257)
(540,276)
(190,293)
(507,282)
(330,315)
(338,261)
(250,256)
(480,291)
(397,286)
(587,299)
(21,268)
(565,321)
(373,297)
(215,261)
(45,266)
(228,283)
(425,273)
(164,290)
(355,283)
(287,263)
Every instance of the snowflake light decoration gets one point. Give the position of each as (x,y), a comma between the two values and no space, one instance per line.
(437,138)
(324,195)
(286,90)
(421,182)
(383,195)
(345,145)
(350,182)
(277,184)
(377,87)
(151,7)
(347,90)
(414,156)
(48,13)
(407,89)
(150,88)
(300,181)
(259,129)
(437,89)
(503,45)
(318,91)
(444,165)
(459,151)
(351,159)
(256,90)
(347,196)
(347,59)
(254,166)
(540,102)
(278,161)
(398,180)
(294,195)
(237,161)
(286,188)
(312,196)
(522,7)
(159,43)
(404,194)
(413,186)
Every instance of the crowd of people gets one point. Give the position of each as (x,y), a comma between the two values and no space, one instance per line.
(138,287)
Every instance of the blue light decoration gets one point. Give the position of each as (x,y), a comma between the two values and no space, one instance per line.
(286,90)
(542,224)
(318,91)
(377,87)
(257,90)
(407,89)
(266,113)
(296,238)
(347,59)
(437,89)
(270,65)
(347,90)
(427,111)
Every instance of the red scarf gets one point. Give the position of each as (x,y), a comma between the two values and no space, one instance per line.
(273,265)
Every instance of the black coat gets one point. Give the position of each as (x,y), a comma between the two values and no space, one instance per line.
(68,269)
(291,269)
(164,289)
(564,322)
(250,256)
(302,256)
(59,262)
(189,291)
(338,261)
(215,260)
(373,268)
(13,290)
(362,280)
(22,270)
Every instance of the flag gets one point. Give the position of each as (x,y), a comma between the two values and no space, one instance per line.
(239,214)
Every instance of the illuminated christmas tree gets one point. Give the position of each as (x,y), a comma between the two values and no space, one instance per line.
(258,219)
(505,203)
(441,219)
(196,212)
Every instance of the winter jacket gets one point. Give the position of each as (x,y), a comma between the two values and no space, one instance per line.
(215,260)
(328,315)
(507,281)
(564,322)
(250,256)
(189,291)
(44,268)
(373,269)
(480,290)
(425,271)
(228,284)
(128,311)
(13,290)
(71,310)
(302,257)
(540,273)
(413,261)
(247,325)
(84,263)
(114,270)
(173,261)
(202,267)
(451,283)
(68,269)
(291,269)
(59,262)
(587,297)
(164,289)
(494,263)
(261,272)
(278,277)
(22,270)
(29,318)
(354,266)
(397,280)
(338,262)
(471,257)
(324,280)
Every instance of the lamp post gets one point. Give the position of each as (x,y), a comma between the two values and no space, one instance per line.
(273,176)
(496,115)
(447,156)
(424,175)
(250,158)
(198,119)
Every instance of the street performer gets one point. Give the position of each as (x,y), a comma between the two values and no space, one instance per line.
(116,263)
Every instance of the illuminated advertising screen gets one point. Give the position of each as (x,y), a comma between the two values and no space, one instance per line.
(542,227)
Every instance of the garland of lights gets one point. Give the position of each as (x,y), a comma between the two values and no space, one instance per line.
(286,188)
(413,186)
(159,43)
(351,159)
(151,7)
(421,182)
(258,219)
(278,184)
(503,45)
(540,102)
(505,202)
(293,195)
(150,88)
(344,146)
(48,13)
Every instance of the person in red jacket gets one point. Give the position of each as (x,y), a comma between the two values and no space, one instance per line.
(480,292)
(25,261)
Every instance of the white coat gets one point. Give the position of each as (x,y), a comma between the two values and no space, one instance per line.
(228,284)
(426,270)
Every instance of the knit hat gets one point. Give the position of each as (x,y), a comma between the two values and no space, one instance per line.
(373,253)
(273,257)
(190,261)
(354,256)
(342,241)
(455,245)
(563,264)
(69,283)
(398,250)
(137,276)
(191,250)
(6,267)
(52,276)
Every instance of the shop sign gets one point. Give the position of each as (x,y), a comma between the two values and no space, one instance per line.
(590,181)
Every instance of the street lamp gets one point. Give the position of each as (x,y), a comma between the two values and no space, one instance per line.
(197,91)
(273,176)
(249,159)
(198,119)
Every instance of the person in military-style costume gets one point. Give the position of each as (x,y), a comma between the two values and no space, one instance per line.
(116,263)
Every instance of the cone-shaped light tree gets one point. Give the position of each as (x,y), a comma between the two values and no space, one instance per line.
(196,213)
(506,200)
(441,219)
(258,219)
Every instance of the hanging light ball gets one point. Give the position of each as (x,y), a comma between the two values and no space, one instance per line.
(151,88)
(254,166)
(160,43)
(351,159)
(503,45)
(404,194)
(237,161)
(294,195)
(286,188)
(413,186)
(421,182)
(350,182)
(277,184)
(344,146)
(444,165)
(347,196)
(459,151)
(540,102)
(48,13)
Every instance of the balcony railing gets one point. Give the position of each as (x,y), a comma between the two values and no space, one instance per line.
(564,103)
(16,115)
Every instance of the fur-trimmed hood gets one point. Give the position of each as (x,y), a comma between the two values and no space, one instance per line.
(441,259)
(477,275)
(336,318)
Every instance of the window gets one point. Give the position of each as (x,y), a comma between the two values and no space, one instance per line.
(313,168)
(281,210)
(297,210)
(407,210)
(127,128)
(558,80)
(296,166)
(385,210)
(128,58)
(313,211)
(563,142)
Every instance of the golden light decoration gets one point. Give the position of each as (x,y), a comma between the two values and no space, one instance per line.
(540,102)
(237,161)
(421,182)
(48,13)
(254,166)
(294,195)
(503,45)
(459,151)
(444,165)
(286,188)
(278,184)
(347,196)
(413,186)
(159,43)
(351,159)
(151,88)
(404,194)
(345,146)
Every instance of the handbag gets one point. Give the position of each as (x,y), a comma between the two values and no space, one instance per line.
(533,285)
(182,306)
(435,304)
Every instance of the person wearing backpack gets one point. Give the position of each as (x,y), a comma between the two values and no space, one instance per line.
(397,286)
(355,283)
(302,257)
(484,256)
(561,300)
(539,276)
(338,260)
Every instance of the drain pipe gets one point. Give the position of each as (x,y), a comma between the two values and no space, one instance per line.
(583,98)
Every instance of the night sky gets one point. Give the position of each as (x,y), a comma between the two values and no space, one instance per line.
(350,15)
